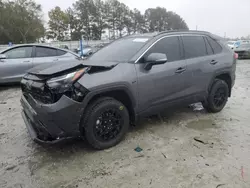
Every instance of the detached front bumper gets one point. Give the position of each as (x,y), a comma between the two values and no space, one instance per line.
(51,123)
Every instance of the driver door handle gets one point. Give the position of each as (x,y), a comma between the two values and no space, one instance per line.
(180,70)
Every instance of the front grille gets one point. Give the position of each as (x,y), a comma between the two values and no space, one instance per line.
(37,90)
(42,97)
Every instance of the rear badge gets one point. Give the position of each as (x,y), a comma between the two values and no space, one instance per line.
(121,108)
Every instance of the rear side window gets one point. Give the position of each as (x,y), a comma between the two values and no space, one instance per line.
(194,46)
(216,47)
(169,46)
(45,52)
(61,52)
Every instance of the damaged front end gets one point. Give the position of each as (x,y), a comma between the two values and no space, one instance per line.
(52,105)
(52,101)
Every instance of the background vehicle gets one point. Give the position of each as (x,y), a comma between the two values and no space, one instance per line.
(232,44)
(15,61)
(134,76)
(86,51)
(243,51)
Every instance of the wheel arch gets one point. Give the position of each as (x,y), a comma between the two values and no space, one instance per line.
(225,76)
(120,93)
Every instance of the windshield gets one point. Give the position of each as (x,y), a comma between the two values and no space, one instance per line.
(245,46)
(121,50)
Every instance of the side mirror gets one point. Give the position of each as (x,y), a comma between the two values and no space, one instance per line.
(3,56)
(155,59)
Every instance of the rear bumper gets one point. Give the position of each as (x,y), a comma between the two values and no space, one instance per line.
(50,124)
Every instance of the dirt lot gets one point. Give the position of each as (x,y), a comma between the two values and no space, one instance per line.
(185,148)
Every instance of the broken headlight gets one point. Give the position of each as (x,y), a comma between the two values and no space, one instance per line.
(67,85)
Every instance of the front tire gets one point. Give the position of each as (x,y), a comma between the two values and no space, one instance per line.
(106,122)
(218,96)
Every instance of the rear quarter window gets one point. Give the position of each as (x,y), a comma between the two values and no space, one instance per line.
(61,52)
(215,45)
(209,47)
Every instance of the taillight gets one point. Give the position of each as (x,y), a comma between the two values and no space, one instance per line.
(236,56)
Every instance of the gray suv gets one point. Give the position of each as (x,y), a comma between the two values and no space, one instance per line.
(134,76)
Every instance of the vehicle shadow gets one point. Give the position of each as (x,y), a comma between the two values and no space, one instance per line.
(168,117)
(4,87)
(78,150)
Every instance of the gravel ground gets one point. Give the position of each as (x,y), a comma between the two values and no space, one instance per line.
(186,148)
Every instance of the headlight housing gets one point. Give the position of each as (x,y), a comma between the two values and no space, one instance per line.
(66,84)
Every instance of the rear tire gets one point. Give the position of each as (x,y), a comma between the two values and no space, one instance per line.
(218,96)
(106,121)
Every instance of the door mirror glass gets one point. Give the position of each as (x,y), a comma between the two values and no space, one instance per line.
(155,59)
(3,56)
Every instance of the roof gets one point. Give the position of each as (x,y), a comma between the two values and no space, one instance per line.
(39,45)
(172,32)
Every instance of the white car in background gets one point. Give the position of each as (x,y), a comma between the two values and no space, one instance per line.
(232,44)
(236,44)
(15,61)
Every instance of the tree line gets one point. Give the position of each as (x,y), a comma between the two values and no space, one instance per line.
(21,21)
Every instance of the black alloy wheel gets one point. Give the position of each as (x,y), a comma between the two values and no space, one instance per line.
(217,97)
(105,123)
(108,125)
(220,97)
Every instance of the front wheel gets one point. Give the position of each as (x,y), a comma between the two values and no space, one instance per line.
(218,96)
(106,121)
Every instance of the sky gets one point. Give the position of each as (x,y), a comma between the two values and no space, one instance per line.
(221,17)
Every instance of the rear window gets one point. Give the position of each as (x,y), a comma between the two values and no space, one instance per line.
(194,46)
(215,45)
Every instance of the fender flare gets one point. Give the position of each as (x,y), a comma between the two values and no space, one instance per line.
(218,74)
(121,87)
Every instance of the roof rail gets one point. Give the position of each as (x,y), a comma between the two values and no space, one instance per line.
(183,30)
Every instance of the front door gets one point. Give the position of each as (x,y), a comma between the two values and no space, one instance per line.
(18,61)
(165,83)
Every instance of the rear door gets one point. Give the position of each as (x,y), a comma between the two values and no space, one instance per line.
(201,62)
(18,61)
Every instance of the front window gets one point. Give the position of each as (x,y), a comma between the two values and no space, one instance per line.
(20,52)
(169,46)
(121,50)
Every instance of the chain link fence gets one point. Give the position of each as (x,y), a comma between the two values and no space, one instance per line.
(70,44)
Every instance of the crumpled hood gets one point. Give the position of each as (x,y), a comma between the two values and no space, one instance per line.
(48,69)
